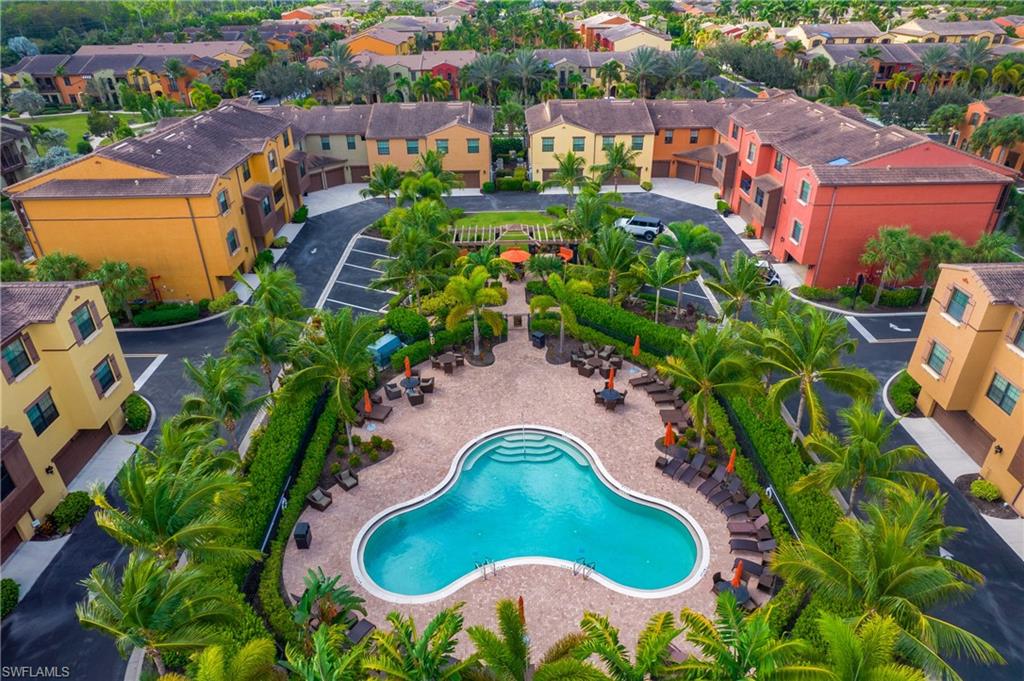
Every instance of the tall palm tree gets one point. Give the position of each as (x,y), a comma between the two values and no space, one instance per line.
(899,82)
(429,87)
(664,271)
(511,116)
(610,74)
(254,661)
(683,66)
(652,656)
(936,61)
(687,239)
(549,90)
(376,81)
(611,251)
(276,295)
(224,386)
(343,62)
(542,265)
(972,59)
(329,660)
(590,212)
(792,49)
(263,341)
(568,175)
(735,645)
(860,462)
(527,69)
(889,566)
(807,349)
(1007,74)
(851,86)
(739,282)
(939,248)
(416,188)
(619,162)
(486,72)
(561,291)
(645,67)
(432,161)
(897,252)
(488,257)
(408,654)
(155,608)
(707,362)
(992,247)
(863,653)
(472,295)
(385,180)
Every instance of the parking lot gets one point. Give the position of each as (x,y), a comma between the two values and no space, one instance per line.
(351,288)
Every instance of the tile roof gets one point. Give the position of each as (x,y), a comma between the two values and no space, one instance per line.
(411,24)
(1004,105)
(201,48)
(418,119)
(38,65)
(922,26)
(856,175)
(24,303)
(689,113)
(1004,281)
(212,142)
(618,116)
(424,61)
(14,129)
(180,185)
(324,120)
(850,29)
(889,53)
(623,31)
(384,34)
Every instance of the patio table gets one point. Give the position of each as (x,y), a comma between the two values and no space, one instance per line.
(447,362)
(610,394)
(595,362)
(410,382)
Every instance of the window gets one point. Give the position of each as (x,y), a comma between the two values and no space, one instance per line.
(1003,393)
(350,141)
(278,194)
(67,81)
(232,241)
(975,117)
(607,141)
(547,143)
(104,375)
(751,152)
(272,160)
(734,131)
(222,201)
(383,147)
(778,161)
(174,84)
(302,168)
(246,170)
(745,183)
(759,197)
(325,142)
(16,356)
(1018,340)
(638,142)
(287,138)
(442,146)
(83,321)
(957,305)
(668,136)
(412,147)
(266,205)
(798,231)
(719,159)
(578,144)
(6,482)
(805,191)
(42,413)
(694,135)
(473,145)
(937,358)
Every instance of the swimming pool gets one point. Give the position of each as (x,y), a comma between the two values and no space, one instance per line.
(528,495)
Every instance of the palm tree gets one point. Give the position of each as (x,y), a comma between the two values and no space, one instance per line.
(619,162)
(223,397)
(687,239)
(870,52)
(384,180)
(329,660)
(706,362)
(738,646)
(376,81)
(510,116)
(324,602)
(254,661)
(416,188)
(549,90)
(666,270)
(935,62)
(864,652)
(1007,74)
(276,295)
(487,257)
(897,251)
(542,265)
(972,59)
(611,251)
(263,341)
(407,654)
(173,508)
(590,212)
(432,161)
(561,291)
(899,82)
(859,463)
(429,87)
(739,283)
(793,49)
(652,647)
(851,86)
(57,266)
(120,283)
(938,248)
(568,175)
(342,61)
(645,67)
(472,295)
(992,247)
(889,566)
(527,69)
(610,74)
(486,72)
(683,66)
(807,349)
(155,608)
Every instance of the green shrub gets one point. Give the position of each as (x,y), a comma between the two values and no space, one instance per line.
(846,302)
(279,242)
(901,297)
(355,461)
(166,316)
(691,434)
(816,293)
(625,326)
(264,259)
(83,147)
(646,186)
(301,215)
(437,304)
(535,287)
(407,324)
(136,412)
(487,187)
(903,393)
(71,510)
(722,207)
(501,146)
(985,490)
(510,184)
(556,210)
(223,303)
(712,450)
(12,270)
(10,590)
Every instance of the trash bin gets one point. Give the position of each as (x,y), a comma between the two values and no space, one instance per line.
(537,338)
(303,536)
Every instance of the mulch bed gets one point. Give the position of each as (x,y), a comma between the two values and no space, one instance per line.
(994,509)
(666,314)
(551,353)
(339,454)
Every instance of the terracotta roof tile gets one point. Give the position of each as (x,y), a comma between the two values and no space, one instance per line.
(1003,281)
(851,175)
(1004,105)
(418,119)
(181,185)
(611,116)
(25,303)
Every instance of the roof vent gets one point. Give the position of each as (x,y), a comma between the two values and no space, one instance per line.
(159,151)
(167,137)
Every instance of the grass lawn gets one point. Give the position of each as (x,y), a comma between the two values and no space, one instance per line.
(73,124)
(511,217)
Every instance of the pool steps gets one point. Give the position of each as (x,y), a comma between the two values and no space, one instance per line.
(525,446)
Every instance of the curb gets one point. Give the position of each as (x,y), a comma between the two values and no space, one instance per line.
(195,322)
(851,313)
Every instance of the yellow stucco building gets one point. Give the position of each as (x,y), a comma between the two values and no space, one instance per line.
(192,202)
(65,380)
(969,360)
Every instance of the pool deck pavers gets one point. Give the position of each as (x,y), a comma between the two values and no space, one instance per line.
(519,388)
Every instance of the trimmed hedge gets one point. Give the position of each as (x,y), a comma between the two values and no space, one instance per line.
(71,510)
(422,350)
(167,315)
(277,613)
(624,326)
(223,303)
(9,593)
(301,214)
(903,393)
(136,412)
(407,324)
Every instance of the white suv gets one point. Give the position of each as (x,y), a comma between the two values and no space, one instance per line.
(644,227)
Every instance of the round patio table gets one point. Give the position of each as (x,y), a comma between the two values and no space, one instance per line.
(610,394)
(740,592)
(410,382)
(595,362)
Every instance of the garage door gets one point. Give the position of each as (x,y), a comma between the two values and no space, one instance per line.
(707,176)
(470,178)
(684,171)
(360,173)
(335,176)
(75,454)
(660,169)
(548,173)
(316,182)
(11,541)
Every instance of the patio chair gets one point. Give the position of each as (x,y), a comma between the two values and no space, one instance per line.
(747,526)
(375,398)
(415,397)
(713,482)
(319,499)
(460,359)
(587,352)
(661,462)
(663,397)
(585,370)
(448,369)
(615,361)
(427,384)
(347,479)
(605,371)
(606,352)
(743,545)
(767,545)
(672,467)
(658,386)
(610,406)
(693,469)
(640,381)
(597,396)
(724,495)
(392,391)
(622,397)
(768,581)
(359,631)
(750,567)
(575,360)
(434,364)
(746,508)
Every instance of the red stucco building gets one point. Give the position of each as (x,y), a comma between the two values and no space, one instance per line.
(817,182)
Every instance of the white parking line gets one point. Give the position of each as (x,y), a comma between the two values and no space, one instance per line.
(150,370)
(375,238)
(852,321)
(358,307)
(367,288)
(378,255)
(360,267)
(685,293)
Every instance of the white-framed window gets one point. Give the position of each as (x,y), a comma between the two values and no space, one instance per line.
(798,231)
(1003,393)
(805,191)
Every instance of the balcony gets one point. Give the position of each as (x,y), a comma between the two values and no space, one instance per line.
(764,200)
(724,172)
(296,172)
(260,214)
(11,158)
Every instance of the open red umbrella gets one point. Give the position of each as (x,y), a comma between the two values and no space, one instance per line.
(408,368)
(731,467)
(611,378)
(670,437)
(636,347)
(737,576)
(515,255)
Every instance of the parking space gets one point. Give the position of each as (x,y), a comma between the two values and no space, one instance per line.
(351,288)
(888,328)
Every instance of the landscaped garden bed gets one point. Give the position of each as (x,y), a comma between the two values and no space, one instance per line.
(984,496)
(848,298)
(363,454)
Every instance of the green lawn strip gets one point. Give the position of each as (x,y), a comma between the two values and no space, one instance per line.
(74,124)
(522,217)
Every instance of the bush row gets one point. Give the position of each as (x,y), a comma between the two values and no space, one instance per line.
(900,297)
(420,351)
(276,611)
(407,324)
(625,326)
(903,393)
(509,184)
(9,593)
(71,510)
(165,316)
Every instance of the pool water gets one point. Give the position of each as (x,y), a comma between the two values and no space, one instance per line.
(528,493)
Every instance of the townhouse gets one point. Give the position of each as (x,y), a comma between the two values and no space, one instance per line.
(192,202)
(565,62)
(335,140)
(589,27)
(446,64)
(982,111)
(231,52)
(935,31)
(1011,23)
(16,150)
(884,60)
(617,33)
(814,35)
(399,34)
(969,360)
(816,183)
(64,381)
(684,134)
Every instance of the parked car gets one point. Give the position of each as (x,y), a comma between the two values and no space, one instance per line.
(642,226)
(257,96)
(771,277)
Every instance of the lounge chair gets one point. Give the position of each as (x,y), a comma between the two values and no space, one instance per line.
(724,495)
(319,499)
(712,483)
(646,379)
(673,416)
(758,597)
(768,581)
(427,384)
(747,526)
(392,391)
(750,567)
(672,468)
(743,545)
(746,508)
(347,479)
(767,545)
(358,631)
(379,413)
(415,397)
(693,469)
(663,397)
(585,370)
(657,386)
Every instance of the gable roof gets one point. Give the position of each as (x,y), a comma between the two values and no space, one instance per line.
(201,48)
(1002,280)
(924,26)
(33,302)
(383,34)
(419,119)
(324,120)
(851,29)
(424,61)
(623,31)
(1004,105)
(37,65)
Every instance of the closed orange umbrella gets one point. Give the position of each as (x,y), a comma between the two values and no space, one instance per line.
(636,347)
(522,611)
(670,437)
(731,467)
(737,576)
(515,255)
(367,404)
(408,368)
(611,378)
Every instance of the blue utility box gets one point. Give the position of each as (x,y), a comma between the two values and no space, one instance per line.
(385,346)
